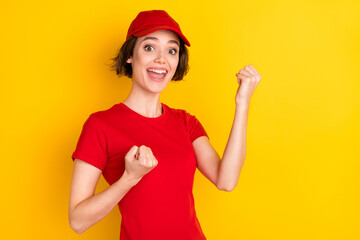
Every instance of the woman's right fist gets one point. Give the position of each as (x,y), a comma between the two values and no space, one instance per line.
(139,161)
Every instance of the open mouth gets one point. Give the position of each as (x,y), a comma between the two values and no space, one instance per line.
(157,74)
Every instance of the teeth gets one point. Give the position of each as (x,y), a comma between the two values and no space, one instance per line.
(157,71)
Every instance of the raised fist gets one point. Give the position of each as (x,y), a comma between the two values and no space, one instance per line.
(139,161)
(248,78)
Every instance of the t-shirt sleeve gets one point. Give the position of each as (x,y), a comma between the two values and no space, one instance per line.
(92,144)
(194,127)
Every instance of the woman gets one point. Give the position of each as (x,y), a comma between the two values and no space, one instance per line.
(147,151)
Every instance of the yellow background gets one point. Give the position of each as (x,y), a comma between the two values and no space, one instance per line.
(301,175)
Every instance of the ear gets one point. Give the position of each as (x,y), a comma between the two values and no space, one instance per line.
(129,60)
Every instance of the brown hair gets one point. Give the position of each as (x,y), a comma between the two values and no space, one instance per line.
(121,67)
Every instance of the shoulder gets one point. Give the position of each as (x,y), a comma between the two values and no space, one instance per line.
(104,119)
(191,123)
(177,111)
(182,115)
(107,114)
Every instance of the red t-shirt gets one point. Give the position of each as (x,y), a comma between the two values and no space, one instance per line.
(161,205)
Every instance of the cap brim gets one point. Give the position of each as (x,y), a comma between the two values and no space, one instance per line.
(147,31)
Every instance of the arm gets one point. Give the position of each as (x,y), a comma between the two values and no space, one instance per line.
(85,208)
(224,174)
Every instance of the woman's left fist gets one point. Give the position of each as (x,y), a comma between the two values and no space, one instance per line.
(248,78)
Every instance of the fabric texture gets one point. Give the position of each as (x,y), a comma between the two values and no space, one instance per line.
(161,205)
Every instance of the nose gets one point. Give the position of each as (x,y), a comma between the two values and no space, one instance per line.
(160,58)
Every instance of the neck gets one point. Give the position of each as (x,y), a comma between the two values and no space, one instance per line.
(144,103)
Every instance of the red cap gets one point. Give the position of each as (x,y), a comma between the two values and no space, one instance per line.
(150,21)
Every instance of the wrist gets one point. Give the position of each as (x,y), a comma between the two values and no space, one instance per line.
(132,180)
(242,105)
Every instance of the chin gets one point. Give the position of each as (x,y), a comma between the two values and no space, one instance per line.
(158,87)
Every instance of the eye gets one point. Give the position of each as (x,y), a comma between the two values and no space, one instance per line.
(172,51)
(148,48)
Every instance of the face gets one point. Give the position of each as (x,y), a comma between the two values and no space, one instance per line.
(154,61)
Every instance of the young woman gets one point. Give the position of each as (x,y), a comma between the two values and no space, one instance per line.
(147,151)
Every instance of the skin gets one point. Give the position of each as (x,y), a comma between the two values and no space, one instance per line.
(160,50)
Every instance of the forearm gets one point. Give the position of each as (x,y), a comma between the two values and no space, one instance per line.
(235,151)
(93,209)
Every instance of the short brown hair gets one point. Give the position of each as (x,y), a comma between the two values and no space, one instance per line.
(121,67)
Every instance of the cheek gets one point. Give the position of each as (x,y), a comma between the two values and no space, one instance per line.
(174,63)
(138,63)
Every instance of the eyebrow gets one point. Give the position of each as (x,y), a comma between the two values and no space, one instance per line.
(154,38)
